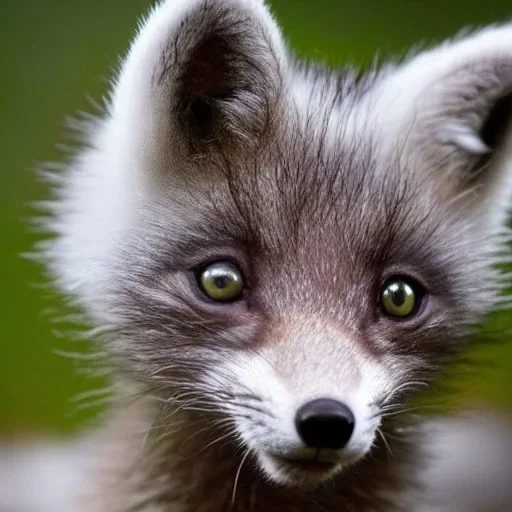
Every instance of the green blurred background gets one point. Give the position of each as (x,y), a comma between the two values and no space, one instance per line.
(56,56)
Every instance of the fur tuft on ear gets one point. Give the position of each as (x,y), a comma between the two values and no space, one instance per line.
(201,72)
(453,103)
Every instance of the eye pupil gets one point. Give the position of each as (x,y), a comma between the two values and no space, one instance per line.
(398,296)
(221,281)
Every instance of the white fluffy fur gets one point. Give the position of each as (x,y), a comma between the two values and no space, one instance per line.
(282,396)
(424,93)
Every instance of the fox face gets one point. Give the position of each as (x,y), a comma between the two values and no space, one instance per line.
(287,250)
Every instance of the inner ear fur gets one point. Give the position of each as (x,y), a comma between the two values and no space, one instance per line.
(228,84)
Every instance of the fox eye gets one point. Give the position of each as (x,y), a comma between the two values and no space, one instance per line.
(401,297)
(221,281)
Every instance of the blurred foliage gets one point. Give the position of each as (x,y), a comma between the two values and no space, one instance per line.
(54,56)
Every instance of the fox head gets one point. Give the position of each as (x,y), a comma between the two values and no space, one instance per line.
(287,249)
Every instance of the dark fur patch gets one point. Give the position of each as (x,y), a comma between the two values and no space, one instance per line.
(228,81)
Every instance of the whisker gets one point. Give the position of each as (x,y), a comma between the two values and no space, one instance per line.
(237,476)
(242,405)
(384,440)
(216,424)
(231,433)
(402,387)
(412,409)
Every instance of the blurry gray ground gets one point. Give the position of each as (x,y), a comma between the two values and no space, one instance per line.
(471,469)
(39,477)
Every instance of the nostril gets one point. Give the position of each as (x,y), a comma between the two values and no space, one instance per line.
(325,423)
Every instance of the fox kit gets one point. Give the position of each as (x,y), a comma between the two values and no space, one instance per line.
(276,257)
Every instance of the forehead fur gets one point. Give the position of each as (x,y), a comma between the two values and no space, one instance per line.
(324,200)
(314,215)
(320,187)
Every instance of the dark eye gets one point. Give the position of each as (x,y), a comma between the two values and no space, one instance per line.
(401,297)
(221,281)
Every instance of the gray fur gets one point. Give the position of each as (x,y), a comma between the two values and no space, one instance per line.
(319,206)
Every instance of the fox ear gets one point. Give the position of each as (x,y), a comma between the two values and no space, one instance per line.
(453,104)
(200,72)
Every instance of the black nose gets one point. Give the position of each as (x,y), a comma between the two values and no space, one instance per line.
(325,423)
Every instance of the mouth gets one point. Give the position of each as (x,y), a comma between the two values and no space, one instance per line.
(301,471)
(313,466)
